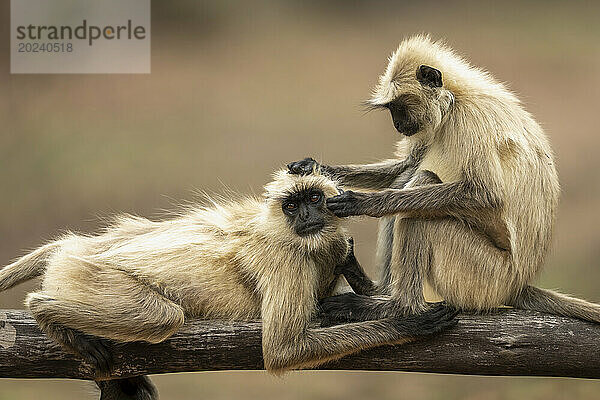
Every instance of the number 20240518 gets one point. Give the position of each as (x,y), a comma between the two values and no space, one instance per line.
(45,47)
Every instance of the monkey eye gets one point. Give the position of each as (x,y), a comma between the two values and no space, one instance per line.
(315,197)
(291,206)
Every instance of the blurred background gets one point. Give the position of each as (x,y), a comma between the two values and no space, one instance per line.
(237,90)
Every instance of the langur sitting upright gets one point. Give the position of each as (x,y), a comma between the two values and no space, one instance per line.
(469,202)
(271,258)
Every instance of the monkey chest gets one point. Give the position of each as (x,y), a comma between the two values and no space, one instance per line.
(438,160)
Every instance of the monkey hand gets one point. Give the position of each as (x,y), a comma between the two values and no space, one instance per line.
(354,203)
(350,260)
(303,167)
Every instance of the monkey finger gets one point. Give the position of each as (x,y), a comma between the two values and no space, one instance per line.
(449,318)
(302,167)
(340,213)
(428,317)
(341,198)
(334,203)
(449,312)
(294,168)
(340,209)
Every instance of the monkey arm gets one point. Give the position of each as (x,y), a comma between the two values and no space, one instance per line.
(375,176)
(369,176)
(290,342)
(355,274)
(458,199)
(472,203)
(285,347)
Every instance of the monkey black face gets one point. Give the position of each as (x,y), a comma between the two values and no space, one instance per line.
(401,110)
(306,211)
(409,111)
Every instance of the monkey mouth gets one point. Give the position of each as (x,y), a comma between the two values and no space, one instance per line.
(408,129)
(310,228)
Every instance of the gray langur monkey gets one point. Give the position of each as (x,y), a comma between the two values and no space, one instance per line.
(271,258)
(469,202)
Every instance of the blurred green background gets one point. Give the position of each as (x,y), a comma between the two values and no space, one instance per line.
(237,90)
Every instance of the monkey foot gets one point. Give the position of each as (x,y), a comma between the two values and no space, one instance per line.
(351,307)
(134,388)
(94,351)
(437,318)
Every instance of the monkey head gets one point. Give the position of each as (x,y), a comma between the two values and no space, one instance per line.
(413,88)
(297,203)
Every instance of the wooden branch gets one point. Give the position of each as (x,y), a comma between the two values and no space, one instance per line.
(506,343)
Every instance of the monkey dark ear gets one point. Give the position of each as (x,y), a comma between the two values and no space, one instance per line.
(429,76)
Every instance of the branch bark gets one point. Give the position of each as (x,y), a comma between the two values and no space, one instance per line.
(509,342)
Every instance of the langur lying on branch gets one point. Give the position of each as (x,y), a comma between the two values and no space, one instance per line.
(272,258)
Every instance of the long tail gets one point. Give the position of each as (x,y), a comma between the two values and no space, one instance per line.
(548,301)
(134,388)
(26,267)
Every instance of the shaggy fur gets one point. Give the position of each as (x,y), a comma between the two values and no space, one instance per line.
(139,280)
(468,204)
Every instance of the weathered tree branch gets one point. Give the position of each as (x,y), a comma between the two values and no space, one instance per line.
(506,343)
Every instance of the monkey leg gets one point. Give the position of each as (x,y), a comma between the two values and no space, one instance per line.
(83,325)
(151,319)
(462,265)
(404,254)
(107,303)
(385,243)
(284,350)
(409,264)
(93,350)
(467,269)
(408,258)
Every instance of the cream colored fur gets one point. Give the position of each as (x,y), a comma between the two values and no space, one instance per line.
(140,279)
(476,130)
